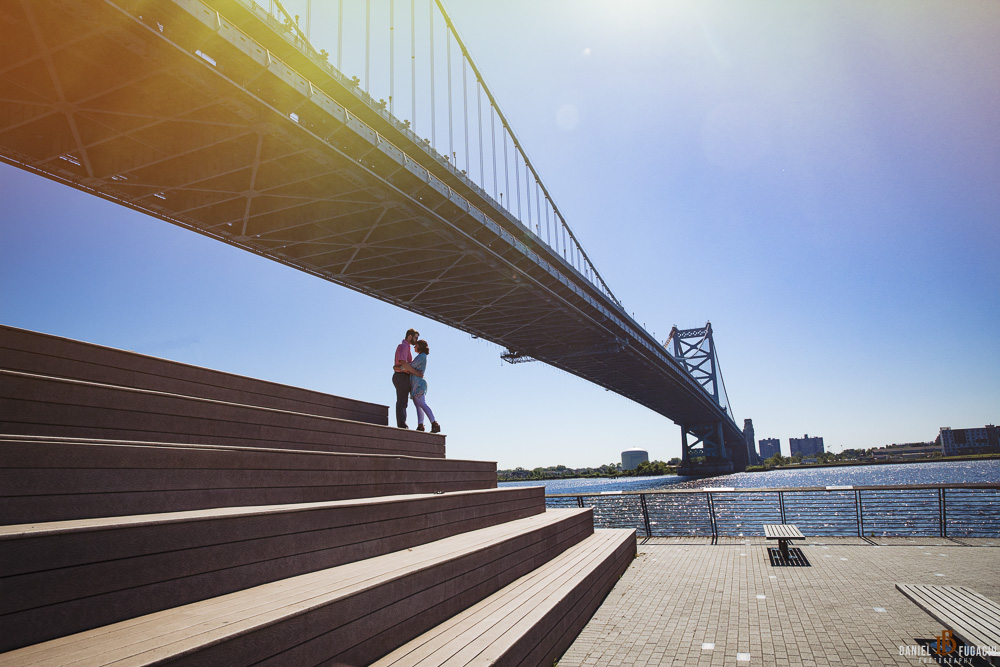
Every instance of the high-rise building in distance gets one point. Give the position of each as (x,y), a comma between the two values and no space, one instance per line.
(769,447)
(806,446)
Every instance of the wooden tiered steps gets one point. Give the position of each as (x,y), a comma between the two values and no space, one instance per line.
(531,621)
(43,354)
(43,479)
(94,572)
(46,405)
(208,541)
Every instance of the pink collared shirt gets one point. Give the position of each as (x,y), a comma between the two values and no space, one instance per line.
(402,354)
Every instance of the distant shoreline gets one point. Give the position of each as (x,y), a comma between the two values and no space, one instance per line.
(838,464)
(798,466)
(549,478)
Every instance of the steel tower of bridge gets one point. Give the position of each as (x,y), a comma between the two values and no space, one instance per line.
(219,116)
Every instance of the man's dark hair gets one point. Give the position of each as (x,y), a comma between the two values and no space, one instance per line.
(410,332)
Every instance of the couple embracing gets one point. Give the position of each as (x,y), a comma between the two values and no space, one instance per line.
(408,379)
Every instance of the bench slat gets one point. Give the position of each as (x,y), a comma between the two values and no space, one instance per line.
(964,603)
(972,617)
(782,531)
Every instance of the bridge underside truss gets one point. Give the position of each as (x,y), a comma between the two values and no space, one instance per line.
(174,113)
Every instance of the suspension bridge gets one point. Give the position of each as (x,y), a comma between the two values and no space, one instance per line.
(222,117)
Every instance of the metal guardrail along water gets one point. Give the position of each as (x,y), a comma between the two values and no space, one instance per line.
(925,510)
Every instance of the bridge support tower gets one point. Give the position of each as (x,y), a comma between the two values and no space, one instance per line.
(705,454)
(703,451)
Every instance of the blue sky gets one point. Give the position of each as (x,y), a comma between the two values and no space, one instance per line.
(820,180)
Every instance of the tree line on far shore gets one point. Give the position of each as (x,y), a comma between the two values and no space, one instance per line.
(644,469)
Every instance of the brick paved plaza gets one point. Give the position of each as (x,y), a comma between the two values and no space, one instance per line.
(685,601)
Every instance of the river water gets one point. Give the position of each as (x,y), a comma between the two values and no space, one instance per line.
(938,472)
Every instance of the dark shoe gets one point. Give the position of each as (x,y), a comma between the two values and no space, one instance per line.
(404,426)
(420,427)
(435,427)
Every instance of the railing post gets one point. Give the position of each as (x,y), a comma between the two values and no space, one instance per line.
(857,511)
(944,512)
(711,515)
(781,505)
(645,514)
(579,501)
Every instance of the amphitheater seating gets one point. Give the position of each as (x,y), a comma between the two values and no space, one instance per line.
(141,524)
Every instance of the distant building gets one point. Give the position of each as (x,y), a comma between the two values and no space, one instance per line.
(748,437)
(769,447)
(805,446)
(958,441)
(631,458)
(908,450)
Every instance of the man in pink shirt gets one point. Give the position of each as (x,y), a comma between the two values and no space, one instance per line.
(401,370)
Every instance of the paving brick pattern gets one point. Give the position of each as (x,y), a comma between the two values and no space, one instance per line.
(686,601)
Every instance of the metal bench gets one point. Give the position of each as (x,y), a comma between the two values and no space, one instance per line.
(971,617)
(784,533)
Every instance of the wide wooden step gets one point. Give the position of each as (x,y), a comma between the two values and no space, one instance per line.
(48,479)
(43,354)
(351,614)
(531,621)
(65,577)
(43,405)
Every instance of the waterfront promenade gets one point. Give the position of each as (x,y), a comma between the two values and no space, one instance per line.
(686,601)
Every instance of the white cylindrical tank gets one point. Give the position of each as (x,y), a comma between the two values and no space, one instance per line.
(631,458)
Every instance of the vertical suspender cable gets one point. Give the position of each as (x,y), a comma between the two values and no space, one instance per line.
(430,6)
(392,54)
(413,65)
(548,228)
(340,37)
(538,209)
(451,131)
(506,174)
(479,118)
(309,20)
(493,150)
(465,109)
(368,43)
(517,184)
(527,192)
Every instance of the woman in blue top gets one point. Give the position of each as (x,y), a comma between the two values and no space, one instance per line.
(418,387)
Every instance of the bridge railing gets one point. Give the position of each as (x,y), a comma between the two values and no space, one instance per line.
(929,510)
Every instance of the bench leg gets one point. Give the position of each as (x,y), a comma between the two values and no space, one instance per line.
(783,548)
